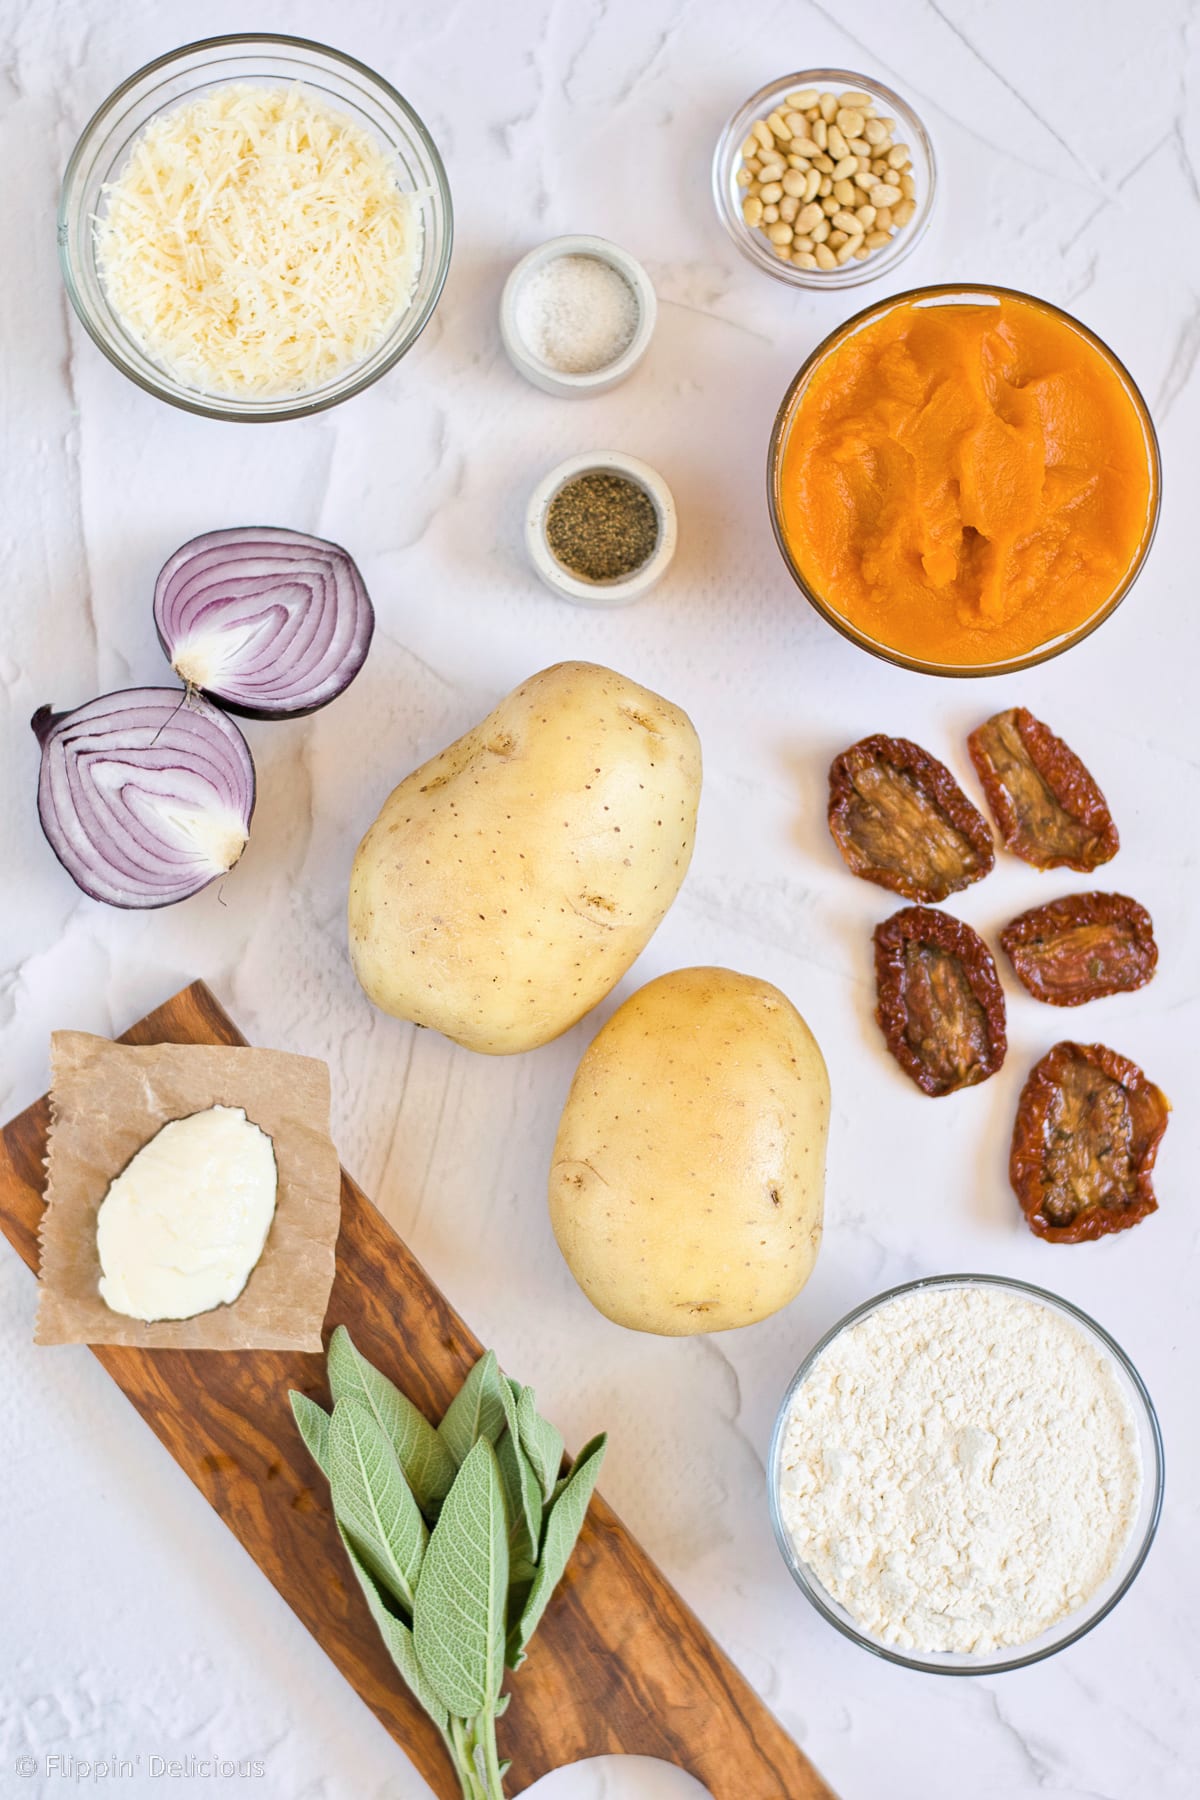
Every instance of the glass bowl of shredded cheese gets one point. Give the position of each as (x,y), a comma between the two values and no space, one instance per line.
(966,1475)
(255,227)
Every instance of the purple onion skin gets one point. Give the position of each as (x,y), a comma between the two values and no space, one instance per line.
(162,704)
(268,538)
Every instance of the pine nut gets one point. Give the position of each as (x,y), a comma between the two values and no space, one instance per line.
(821,177)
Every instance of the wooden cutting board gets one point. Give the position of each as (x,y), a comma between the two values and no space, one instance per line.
(619,1663)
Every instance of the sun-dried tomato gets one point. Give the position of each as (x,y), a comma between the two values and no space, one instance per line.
(901,820)
(1082,947)
(940,1005)
(1045,801)
(1088,1128)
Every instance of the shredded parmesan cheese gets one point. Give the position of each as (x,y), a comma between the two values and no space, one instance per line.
(257,242)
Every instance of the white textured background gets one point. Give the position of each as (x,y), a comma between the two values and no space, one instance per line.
(1069,141)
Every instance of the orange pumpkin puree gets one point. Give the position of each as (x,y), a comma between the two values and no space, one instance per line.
(965,482)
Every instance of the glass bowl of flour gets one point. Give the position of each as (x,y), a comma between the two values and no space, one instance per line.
(966,1474)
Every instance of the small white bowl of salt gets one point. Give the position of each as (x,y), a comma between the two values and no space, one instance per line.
(577,314)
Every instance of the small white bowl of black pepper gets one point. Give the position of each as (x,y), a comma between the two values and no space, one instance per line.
(601,528)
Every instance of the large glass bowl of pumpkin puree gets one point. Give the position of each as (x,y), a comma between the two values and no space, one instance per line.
(964,480)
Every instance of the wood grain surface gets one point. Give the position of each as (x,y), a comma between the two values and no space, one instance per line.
(619,1663)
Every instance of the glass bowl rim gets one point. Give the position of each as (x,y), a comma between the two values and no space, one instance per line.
(875,268)
(963,671)
(166,389)
(811,1588)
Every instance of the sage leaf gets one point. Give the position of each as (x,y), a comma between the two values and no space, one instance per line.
(459,1621)
(540,1441)
(522,1499)
(563,1525)
(396,1636)
(428,1465)
(373,1502)
(313,1421)
(478,1410)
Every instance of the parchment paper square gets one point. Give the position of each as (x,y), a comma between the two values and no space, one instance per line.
(106,1101)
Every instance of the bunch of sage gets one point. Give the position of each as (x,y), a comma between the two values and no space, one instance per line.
(458,1534)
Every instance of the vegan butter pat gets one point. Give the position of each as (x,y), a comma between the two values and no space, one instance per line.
(182,1227)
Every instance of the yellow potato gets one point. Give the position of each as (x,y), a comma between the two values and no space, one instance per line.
(687,1186)
(509,883)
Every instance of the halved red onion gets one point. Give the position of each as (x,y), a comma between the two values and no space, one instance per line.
(144,796)
(267,622)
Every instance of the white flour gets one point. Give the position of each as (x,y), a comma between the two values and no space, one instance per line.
(960,1470)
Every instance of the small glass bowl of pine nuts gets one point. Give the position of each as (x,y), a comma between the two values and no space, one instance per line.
(825,179)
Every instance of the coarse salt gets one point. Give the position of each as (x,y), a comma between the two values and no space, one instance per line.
(576,313)
(960,1469)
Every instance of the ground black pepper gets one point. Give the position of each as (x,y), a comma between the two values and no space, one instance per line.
(602,527)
